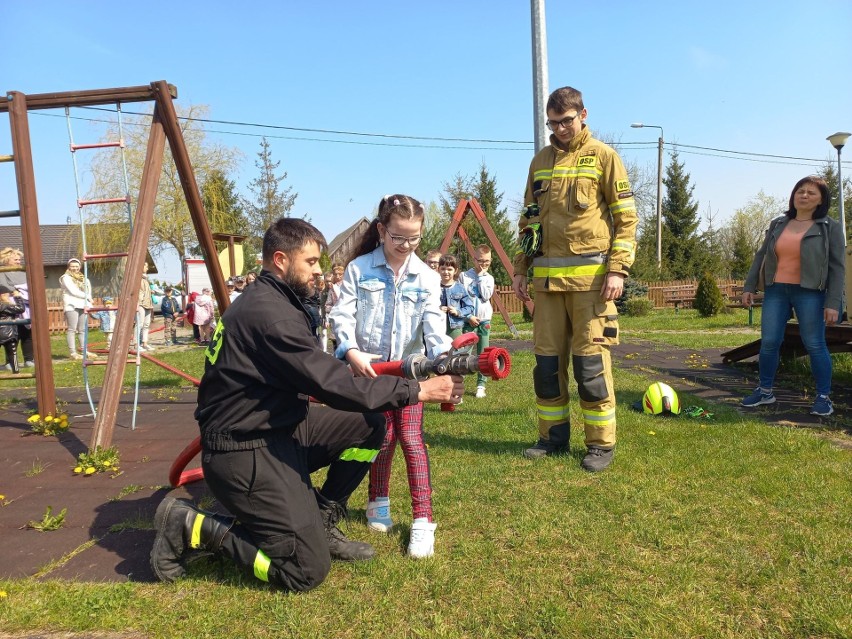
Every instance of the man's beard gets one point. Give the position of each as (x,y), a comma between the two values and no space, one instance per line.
(301,289)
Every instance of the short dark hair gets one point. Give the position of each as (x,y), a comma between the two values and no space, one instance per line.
(168,289)
(289,235)
(448,260)
(822,209)
(565,98)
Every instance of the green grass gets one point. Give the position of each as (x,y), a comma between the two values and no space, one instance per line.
(725,528)
(715,528)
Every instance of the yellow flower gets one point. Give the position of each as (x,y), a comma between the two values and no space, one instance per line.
(48,419)
(651,432)
(33,419)
(3,594)
(2,497)
(78,469)
(90,470)
(107,464)
(63,417)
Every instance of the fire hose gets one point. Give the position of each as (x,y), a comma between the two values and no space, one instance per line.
(493,362)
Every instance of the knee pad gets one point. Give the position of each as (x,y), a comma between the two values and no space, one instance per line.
(591,383)
(546,376)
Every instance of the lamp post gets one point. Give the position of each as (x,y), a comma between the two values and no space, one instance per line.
(639,125)
(837,141)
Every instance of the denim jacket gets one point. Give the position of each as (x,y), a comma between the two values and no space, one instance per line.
(392,320)
(823,265)
(480,288)
(458,298)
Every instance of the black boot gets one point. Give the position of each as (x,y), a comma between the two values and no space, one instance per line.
(339,545)
(181,529)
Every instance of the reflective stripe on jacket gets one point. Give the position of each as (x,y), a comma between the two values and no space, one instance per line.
(587,215)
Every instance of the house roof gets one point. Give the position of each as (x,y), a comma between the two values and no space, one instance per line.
(359,227)
(59,243)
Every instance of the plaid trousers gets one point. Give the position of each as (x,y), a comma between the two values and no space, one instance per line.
(406,426)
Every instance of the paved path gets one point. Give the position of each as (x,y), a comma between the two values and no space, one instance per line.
(114,512)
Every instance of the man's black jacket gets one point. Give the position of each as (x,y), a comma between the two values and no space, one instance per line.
(264,362)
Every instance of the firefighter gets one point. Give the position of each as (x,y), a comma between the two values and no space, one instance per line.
(261,439)
(577,233)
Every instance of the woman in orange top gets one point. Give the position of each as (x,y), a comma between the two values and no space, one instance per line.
(803,264)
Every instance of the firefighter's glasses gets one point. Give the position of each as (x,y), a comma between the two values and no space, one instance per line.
(399,240)
(553,125)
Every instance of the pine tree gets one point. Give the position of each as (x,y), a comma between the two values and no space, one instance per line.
(271,201)
(742,254)
(708,297)
(681,251)
(829,173)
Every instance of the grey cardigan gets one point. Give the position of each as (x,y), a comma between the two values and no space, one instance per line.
(823,259)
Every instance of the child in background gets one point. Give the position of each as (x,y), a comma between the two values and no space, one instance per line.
(455,301)
(204,315)
(479,284)
(388,309)
(170,308)
(10,308)
(107,320)
(433,259)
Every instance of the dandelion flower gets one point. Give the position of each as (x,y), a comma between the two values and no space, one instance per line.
(107,464)
(33,419)
(78,469)
(3,594)
(48,419)
(651,432)
(90,470)
(63,417)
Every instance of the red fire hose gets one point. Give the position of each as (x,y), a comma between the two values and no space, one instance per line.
(493,362)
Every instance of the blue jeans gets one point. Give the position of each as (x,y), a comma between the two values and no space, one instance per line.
(778,301)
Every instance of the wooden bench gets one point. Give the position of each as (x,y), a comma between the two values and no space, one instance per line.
(681,294)
(737,302)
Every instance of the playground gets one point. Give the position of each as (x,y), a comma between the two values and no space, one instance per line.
(716,522)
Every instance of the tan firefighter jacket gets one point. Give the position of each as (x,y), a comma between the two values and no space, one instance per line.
(587,215)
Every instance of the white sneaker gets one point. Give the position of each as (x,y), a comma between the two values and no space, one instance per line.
(480,391)
(422,542)
(378,515)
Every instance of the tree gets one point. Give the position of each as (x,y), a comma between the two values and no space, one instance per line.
(829,173)
(172,225)
(224,209)
(743,234)
(271,202)
(708,297)
(681,251)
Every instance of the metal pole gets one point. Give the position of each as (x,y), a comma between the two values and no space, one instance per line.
(539,59)
(660,203)
(840,194)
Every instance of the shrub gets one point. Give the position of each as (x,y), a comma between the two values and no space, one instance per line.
(638,306)
(632,289)
(708,297)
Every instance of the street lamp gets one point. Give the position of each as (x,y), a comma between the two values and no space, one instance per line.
(837,141)
(639,125)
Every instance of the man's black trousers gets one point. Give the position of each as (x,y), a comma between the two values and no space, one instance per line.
(269,491)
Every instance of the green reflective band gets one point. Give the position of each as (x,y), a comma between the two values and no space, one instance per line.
(622,245)
(552,413)
(589,172)
(261,566)
(212,351)
(569,271)
(543,174)
(195,537)
(617,208)
(359,454)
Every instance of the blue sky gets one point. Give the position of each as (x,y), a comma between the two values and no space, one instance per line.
(753,77)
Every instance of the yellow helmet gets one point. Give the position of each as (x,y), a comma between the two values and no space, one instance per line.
(660,398)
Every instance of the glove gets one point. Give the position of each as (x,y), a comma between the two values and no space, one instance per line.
(531,211)
(530,240)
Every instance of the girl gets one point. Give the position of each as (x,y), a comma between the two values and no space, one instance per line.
(204,315)
(389,307)
(76,295)
(455,301)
